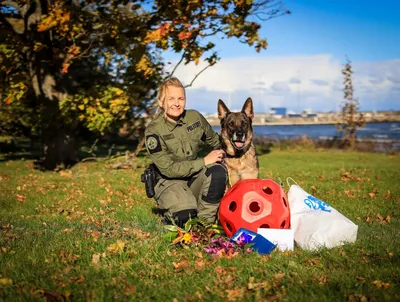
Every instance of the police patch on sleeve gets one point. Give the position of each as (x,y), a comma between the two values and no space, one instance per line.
(153,143)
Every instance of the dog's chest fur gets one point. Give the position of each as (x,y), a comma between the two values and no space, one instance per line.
(243,167)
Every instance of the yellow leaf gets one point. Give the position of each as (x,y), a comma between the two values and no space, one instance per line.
(38,47)
(5,281)
(196,61)
(81,107)
(117,247)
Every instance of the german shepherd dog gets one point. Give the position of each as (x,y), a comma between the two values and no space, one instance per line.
(237,142)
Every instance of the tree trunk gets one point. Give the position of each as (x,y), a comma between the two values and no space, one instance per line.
(60,149)
(59,143)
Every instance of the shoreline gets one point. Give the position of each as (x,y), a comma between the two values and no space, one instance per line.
(303,123)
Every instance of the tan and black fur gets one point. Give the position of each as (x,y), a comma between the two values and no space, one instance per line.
(237,141)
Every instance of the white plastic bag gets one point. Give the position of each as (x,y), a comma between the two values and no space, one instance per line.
(315,223)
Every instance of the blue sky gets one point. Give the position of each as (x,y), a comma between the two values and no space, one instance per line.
(301,67)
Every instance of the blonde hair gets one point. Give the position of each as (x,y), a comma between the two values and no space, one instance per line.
(162,91)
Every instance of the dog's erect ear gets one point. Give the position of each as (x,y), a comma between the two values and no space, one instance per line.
(248,108)
(222,109)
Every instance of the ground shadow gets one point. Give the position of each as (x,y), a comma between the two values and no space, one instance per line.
(22,148)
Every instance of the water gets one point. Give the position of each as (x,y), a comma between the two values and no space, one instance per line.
(371,131)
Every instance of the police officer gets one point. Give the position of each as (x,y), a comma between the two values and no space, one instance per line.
(188,185)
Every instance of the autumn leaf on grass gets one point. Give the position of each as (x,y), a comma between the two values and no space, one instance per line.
(67,173)
(5,282)
(96,258)
(130,289)
(235,294)
(78,279)
(279,276)
(179,266)
(116,248)
(349,193)
(254,285)
(382,220)
(311,262)
(381,285)
(20,197)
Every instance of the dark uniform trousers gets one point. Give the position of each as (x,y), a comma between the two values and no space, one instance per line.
(200,193)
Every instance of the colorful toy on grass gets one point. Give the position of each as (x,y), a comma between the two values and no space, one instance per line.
(253,204)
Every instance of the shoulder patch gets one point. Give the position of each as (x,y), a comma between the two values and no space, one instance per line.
(153,143)
(193,126)
(168,136)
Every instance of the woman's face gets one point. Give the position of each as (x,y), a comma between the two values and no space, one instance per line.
(174,102)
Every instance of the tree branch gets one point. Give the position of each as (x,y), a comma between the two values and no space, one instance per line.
(179,63)
(195,77)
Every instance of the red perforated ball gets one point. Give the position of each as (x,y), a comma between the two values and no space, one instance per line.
(253,204)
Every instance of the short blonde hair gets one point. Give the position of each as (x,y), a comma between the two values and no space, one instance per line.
(162,91)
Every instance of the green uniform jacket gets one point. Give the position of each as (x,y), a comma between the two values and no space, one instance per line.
(174,147)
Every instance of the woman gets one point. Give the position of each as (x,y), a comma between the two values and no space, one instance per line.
(187,185)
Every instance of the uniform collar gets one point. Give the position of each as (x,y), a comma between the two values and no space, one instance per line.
(180,122)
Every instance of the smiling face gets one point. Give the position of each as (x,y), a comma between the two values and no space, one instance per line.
(174,102)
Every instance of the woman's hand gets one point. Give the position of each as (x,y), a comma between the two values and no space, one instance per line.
(214,157)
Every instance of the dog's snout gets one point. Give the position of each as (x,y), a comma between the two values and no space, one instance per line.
(239,133)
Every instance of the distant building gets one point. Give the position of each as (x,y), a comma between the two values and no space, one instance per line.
(279,111)
(295,115)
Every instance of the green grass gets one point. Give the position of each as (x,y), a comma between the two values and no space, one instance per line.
(57,232)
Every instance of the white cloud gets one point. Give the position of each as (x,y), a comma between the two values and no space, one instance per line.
(295,82)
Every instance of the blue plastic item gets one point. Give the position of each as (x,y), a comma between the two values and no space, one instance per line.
(260,244)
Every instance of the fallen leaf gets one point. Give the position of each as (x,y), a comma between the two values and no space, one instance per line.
(179,266)
(234,294)
(20,197)
(67,173)
(279,276)
(96,259)
(130,289)
(117,247)
(78,279)
(311,262)
(5,282)
(200,264)
(381,285)
(253,285)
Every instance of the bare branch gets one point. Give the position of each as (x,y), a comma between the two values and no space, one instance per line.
(195,77)
(177,65)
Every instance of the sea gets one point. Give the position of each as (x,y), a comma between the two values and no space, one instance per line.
(379,132)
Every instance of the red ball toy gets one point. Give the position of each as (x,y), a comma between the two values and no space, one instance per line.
(253,204)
